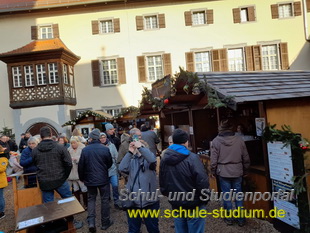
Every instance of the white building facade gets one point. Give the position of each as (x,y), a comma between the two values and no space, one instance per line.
(124,45)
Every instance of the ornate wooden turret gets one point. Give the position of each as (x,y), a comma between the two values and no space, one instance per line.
(41,73)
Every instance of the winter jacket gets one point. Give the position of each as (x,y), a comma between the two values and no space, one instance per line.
(146,180)
(123,149)
(94,164)
(7,150)
(182,171)
(26,161)
(115,140)
(22,143)
(13,146)
(114,154)
(229,157)
(3,165)
(151,139)
(13,162)
(75,156)
(53,162)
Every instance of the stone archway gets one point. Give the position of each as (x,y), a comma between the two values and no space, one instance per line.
(35,128)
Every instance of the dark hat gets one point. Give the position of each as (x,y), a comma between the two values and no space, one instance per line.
(95,134)
(225,125)
(120,128)
(179,136)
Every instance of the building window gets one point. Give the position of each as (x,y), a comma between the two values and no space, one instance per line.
(199,17)
(17,76)
(244,15)
(202,62)
(65,73)
(154,67)
(285,10)
(109,72)
(29,78)
(236,59)
(151,22)
(41,74)
(53,73)
(106,26)
(46,32)
(114,112)
(270,57)
(80,111)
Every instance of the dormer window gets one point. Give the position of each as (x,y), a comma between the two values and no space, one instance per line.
(46,32)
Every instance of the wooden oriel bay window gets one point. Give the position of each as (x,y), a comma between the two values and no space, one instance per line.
(31,83)
(41,73)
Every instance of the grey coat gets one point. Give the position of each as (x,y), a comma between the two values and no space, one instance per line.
(151,139)
(114,154)
(146,180)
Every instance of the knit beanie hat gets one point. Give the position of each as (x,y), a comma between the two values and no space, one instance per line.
(179,136)
(108,126)
(95,134)
(225,126)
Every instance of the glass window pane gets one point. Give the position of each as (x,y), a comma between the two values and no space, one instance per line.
(199,18)
(202,62)
(244,15)
(109,72)
(270,57)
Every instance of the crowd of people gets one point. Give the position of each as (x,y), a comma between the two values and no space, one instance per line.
(81,167)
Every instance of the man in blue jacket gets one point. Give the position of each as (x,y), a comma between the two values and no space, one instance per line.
(182,172)
(93,169)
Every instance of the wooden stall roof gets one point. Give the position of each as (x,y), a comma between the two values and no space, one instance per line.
(258,86)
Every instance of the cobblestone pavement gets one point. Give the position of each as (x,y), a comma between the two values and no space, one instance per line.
(7,224)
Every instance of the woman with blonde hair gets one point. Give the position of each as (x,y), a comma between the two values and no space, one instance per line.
(75,151)
(76,132)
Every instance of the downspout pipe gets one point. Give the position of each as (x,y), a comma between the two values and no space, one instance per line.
(305,19)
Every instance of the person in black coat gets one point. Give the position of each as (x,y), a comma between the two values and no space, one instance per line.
(182,171)
(23,142)
(93,167)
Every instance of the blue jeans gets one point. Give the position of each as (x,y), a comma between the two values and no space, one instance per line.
(226,185)
(190,225)
(114,183)
(2,201)
(151,224)
(63,190)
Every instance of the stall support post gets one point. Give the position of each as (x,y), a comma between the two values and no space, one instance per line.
(263,114)
(191,125)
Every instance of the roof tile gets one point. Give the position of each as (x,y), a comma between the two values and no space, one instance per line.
(39,45)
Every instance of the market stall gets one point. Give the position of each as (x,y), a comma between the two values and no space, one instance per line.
(88,120)
(197,103)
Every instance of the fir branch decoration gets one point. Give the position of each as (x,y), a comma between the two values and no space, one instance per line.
(299,147)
